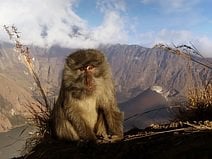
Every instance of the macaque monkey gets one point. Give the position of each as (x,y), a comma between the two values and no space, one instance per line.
(86,108)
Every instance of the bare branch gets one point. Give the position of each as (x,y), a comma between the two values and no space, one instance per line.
(26,57)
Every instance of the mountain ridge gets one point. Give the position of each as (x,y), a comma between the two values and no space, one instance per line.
(134,68)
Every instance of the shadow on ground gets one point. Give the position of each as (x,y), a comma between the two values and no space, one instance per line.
(180,143)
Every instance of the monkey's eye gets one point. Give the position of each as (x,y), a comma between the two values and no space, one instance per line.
(81,68)
(90,67)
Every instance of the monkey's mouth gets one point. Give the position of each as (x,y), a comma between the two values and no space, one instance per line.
(90,89)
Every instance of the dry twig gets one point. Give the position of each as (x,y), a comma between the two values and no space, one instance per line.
(25,55)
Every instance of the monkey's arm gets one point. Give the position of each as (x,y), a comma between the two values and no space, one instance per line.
(114,119)
(109,127)
(110,122)
(100,128)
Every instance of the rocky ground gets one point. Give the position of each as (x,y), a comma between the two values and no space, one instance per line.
(189,141)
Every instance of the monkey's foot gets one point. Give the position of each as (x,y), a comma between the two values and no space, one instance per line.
(109,139)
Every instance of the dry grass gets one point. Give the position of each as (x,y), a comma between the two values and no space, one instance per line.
(186,52)
(24,53)
(41,110)
(42,121)
(201,98)
(198,106)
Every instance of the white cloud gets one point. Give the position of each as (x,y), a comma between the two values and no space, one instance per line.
(202,43)
(55,22)
(33,17)
(113,29)
(165,36)
(111,5)
(173,5)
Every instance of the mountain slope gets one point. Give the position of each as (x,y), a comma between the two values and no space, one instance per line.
(13,104)
(145,109)
(134,68)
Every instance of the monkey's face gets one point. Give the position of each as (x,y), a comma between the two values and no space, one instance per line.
(82,69)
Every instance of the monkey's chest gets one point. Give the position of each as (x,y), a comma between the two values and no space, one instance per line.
(89,112)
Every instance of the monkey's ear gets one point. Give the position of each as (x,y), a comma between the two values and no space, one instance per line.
(70,62)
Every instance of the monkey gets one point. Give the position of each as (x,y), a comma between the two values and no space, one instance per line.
(86,108)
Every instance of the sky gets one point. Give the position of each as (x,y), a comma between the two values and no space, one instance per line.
(88,23)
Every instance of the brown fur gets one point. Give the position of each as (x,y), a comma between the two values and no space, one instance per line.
(87,111)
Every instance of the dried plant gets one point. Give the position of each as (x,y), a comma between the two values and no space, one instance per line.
(26,57)
(41,119)
(40,111)
(201,97)
(186,52)
(198,106)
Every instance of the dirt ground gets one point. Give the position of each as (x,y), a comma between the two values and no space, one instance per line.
(178,143)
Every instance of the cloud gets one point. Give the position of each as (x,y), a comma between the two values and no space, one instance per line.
(113,28)
(173,5)
(55,22)
(111,5)
(165,36)
(50,20)
(202,43)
